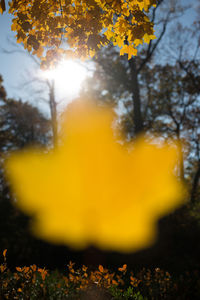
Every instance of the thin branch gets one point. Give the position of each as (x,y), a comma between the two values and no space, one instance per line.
(152,46)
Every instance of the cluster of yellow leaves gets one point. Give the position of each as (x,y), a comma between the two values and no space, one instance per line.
(102,278)
(30,282)
(151,278)
(30,272)
(86,25)
(80,278)
(3,266)
(91,190)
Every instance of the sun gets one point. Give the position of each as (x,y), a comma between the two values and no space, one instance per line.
(68,76)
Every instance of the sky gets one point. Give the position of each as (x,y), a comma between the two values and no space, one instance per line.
(18,68)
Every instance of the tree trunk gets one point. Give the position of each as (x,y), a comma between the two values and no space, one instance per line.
(53,110)
(195,184)
(181,160)
(137,115)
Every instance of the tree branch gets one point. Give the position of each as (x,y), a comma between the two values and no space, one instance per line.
(152,46)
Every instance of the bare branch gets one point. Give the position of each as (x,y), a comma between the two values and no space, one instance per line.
(152,46)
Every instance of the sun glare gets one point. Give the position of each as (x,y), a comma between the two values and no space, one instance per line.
(68,77)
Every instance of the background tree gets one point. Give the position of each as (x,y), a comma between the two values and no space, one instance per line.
(122,77)
(43,88)
(168,97)
(2,89)
(21,125)
(182,51)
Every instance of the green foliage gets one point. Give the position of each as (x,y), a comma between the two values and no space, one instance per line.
(126,294)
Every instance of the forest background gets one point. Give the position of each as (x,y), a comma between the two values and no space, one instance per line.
(156,92)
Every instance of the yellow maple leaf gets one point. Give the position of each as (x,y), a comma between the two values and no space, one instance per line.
(147,38)
(92,53)
(2,6)
(118,41)
(39,51)
(91,190)
(128,49)
(138,42)
(109,34)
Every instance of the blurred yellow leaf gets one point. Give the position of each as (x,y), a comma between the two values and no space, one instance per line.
(91,190)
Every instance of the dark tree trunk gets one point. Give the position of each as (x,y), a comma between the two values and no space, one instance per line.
(53,109)
(195,184)
(181,159)
(137,115)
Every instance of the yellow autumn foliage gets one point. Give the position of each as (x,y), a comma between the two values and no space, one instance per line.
(86,25)
(91,189)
